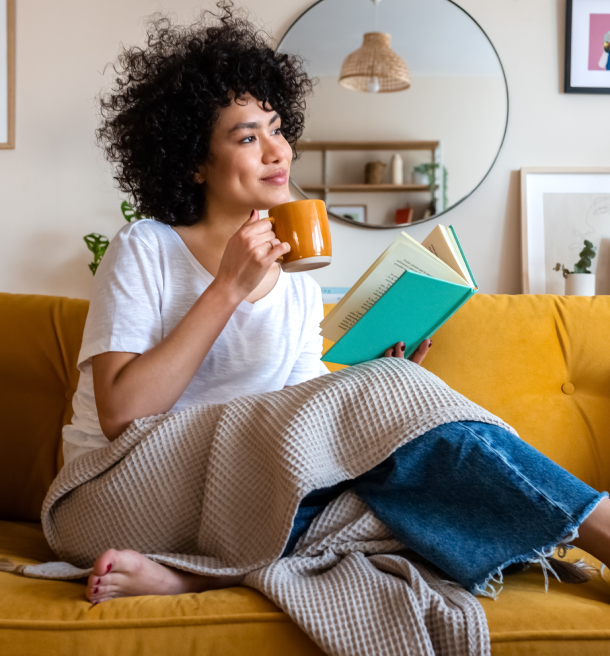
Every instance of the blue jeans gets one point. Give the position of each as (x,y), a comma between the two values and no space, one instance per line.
(471,498)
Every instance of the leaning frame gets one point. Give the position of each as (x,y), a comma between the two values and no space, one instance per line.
(528,272)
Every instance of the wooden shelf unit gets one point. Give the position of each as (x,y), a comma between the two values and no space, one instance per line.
(368,145)
(366,187)
(325,147)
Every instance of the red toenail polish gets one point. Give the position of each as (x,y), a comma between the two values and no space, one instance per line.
(95,590)
(108,568)
(98,581)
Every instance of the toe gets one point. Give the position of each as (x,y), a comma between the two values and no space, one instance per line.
(103,593)
(104,564)
(92,584)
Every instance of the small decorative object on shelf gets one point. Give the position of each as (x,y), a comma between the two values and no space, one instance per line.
(397,169)
(98,244)
(373,172)
(580,282)
(404,215)
(425,173)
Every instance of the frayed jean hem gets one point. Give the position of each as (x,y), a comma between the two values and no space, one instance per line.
(471,499)
(489,586)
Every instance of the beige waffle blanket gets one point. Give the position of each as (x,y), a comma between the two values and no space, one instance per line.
(214,490)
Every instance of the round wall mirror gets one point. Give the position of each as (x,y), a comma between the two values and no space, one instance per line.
(409,112)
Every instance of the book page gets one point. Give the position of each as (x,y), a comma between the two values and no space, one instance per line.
(403,255)
(440,243)
(329,317)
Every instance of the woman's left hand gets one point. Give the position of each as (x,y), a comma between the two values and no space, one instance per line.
(398,351)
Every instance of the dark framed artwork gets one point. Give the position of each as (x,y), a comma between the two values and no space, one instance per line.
(7,74)
(587,63)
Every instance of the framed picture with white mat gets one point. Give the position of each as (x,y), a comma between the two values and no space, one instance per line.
(587,46)
(560,208)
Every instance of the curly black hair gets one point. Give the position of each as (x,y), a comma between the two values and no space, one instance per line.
(157,119)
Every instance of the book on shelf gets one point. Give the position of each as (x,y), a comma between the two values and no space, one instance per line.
(406,295)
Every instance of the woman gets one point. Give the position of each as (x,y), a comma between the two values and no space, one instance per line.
(192,308)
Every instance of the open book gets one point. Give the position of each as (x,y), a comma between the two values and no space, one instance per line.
(405,296)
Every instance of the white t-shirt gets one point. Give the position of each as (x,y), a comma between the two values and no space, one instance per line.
(146,283)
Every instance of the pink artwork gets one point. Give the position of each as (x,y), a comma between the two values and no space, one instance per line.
(599,42)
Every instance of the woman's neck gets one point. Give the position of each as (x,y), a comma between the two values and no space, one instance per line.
(207,239)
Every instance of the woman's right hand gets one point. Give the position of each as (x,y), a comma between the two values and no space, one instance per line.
(249,255)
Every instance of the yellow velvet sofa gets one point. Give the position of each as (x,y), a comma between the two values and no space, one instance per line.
(542,363)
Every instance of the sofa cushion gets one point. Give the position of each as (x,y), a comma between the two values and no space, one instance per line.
(40,338)
(54,617)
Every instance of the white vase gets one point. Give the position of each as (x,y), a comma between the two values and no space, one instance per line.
(397,176)
(580,284)
(419,178)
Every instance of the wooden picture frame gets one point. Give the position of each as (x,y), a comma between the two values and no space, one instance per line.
(586,23)
(7,74)
(543,190)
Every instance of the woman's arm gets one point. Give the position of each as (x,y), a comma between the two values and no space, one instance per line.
(128,386)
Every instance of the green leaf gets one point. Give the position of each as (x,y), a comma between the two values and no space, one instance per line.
(97,244)
(129,212)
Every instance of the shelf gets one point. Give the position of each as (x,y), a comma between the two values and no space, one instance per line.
(365,188)
(367,145)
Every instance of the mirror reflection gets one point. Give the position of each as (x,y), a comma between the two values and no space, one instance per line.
(409,112)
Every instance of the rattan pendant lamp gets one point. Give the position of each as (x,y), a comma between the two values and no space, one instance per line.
(375,67)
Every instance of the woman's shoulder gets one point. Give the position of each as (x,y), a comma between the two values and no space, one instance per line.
(138,246)
(144,233)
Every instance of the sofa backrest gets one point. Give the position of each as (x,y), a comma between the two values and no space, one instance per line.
(40,338)
(542,363)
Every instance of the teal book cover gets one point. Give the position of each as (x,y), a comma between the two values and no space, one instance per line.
(412,310)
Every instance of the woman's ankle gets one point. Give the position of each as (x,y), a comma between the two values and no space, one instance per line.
(594,533)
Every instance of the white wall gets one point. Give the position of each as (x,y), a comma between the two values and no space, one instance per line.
(55,188)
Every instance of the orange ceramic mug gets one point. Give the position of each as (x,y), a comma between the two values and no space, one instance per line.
(304,225)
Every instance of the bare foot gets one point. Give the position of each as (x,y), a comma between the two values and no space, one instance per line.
(128,573)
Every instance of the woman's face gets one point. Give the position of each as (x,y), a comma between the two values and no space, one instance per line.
(249,161)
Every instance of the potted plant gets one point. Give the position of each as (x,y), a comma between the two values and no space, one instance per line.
(425,174)
(580,282)
(98,244)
